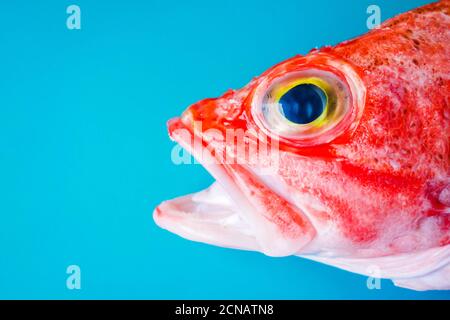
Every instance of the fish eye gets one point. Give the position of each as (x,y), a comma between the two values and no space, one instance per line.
(310,106)
(303,103)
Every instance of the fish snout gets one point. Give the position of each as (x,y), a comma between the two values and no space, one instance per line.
(219,113)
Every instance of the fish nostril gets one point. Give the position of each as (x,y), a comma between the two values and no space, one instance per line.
(228,109)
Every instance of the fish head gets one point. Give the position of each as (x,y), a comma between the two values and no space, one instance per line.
(342,152)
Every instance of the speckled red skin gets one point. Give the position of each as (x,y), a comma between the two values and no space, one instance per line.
(380,182)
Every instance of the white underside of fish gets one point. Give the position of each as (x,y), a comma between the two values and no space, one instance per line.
(211,216)
(423,270)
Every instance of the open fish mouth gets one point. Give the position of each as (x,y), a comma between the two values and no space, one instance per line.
(231,213)
(209,215)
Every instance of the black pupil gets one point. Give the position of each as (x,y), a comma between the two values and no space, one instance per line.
(303,104)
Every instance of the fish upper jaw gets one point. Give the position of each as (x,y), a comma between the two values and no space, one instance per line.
(238,211)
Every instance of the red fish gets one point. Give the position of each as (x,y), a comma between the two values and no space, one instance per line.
(341,156)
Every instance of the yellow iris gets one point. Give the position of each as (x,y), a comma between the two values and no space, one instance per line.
(279,91)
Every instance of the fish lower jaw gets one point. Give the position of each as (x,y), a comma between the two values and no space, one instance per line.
(207,216)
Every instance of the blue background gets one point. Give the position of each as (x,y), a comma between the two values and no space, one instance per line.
(85,157)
